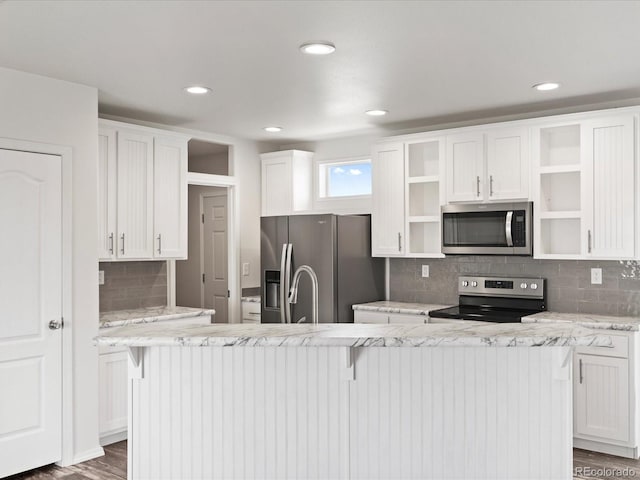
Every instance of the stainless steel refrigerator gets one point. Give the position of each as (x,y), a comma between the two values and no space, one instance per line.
(337,247)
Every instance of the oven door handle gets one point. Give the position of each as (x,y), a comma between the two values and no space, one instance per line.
(507,229)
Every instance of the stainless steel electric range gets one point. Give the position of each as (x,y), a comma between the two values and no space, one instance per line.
(496,299)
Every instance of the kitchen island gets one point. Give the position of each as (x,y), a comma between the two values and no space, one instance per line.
(351,401)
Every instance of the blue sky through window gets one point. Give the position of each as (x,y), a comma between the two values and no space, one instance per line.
(349,179)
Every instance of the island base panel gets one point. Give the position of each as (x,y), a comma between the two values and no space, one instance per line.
(295,412)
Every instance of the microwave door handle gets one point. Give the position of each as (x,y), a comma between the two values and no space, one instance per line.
(507,229)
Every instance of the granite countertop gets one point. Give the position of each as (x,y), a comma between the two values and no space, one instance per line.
(386,306)
(119,318)
(354,335)
(252,299)
(601,322)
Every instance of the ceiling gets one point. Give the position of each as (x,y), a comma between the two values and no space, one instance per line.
(425,62)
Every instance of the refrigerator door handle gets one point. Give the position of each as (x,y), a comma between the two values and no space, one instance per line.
(287,284)
(283,290)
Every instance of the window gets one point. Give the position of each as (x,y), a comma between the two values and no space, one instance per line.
(347,178)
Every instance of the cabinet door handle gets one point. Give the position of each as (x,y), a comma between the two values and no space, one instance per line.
(491,185)
(399,242)
(159,243)
(122,244)
(111,243)
(478,185)
(589,240)
(580,370)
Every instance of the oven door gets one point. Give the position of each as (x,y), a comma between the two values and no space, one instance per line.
(487,229)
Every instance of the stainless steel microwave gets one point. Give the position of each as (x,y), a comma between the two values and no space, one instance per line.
(487,229)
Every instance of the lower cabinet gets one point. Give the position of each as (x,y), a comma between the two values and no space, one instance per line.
(113,396)
(604,400)
(251,312)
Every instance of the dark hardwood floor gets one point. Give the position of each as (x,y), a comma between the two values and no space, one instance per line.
(113,466)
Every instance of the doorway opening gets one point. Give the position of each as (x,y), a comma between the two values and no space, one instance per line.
(206,278)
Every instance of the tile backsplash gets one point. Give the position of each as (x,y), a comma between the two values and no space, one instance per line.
(569,286)
(133,285)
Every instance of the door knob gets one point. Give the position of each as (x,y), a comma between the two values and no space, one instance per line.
(55,324)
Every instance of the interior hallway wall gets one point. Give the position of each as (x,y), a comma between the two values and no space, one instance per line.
(44,110)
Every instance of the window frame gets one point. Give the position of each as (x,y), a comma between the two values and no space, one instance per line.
(346,204)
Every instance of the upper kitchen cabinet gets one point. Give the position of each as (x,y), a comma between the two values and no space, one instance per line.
(170,197)
(388,200)
(501,174)
(424,195)
(583,188)
(465,167)
(142,190)
(287,182)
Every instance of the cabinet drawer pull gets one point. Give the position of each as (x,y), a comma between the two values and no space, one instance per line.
(478,185)
(111,243)
(122,244)
(491,185)
(159,244)
(399,242)
(589,240)
(580,370)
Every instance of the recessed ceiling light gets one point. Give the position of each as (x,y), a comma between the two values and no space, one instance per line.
(273,129)
(197,90)
(318,48)
(376,113)
(543,87)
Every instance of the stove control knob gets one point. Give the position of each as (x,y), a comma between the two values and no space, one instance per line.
(474,284)
(534,286)
(465,283)
(523,286)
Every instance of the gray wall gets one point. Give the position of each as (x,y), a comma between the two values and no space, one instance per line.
(569,281)
(133,285)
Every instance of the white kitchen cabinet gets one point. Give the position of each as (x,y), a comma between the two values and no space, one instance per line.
(583,189)
(608,191)
(170,197)
(107,193)
(602,397)
(251,312)
(507,163)
(503,174)
(465,167)
(135,195)
(112,373)
(388,200)
(424,195)
(287,182)
(142,193)
(605,403)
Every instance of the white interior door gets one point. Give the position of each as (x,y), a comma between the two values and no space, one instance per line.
(216,284)
(30,297)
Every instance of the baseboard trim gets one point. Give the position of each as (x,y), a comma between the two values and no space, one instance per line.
(84,456)
(113,438)
(627,452)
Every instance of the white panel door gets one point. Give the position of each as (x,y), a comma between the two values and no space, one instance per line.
(107,192)
(135,195)
(609,187)
(170,197)
(30,297)
(508,164)
(387,213)
(276,186)
(465,167)
(214,243)
(601,397)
